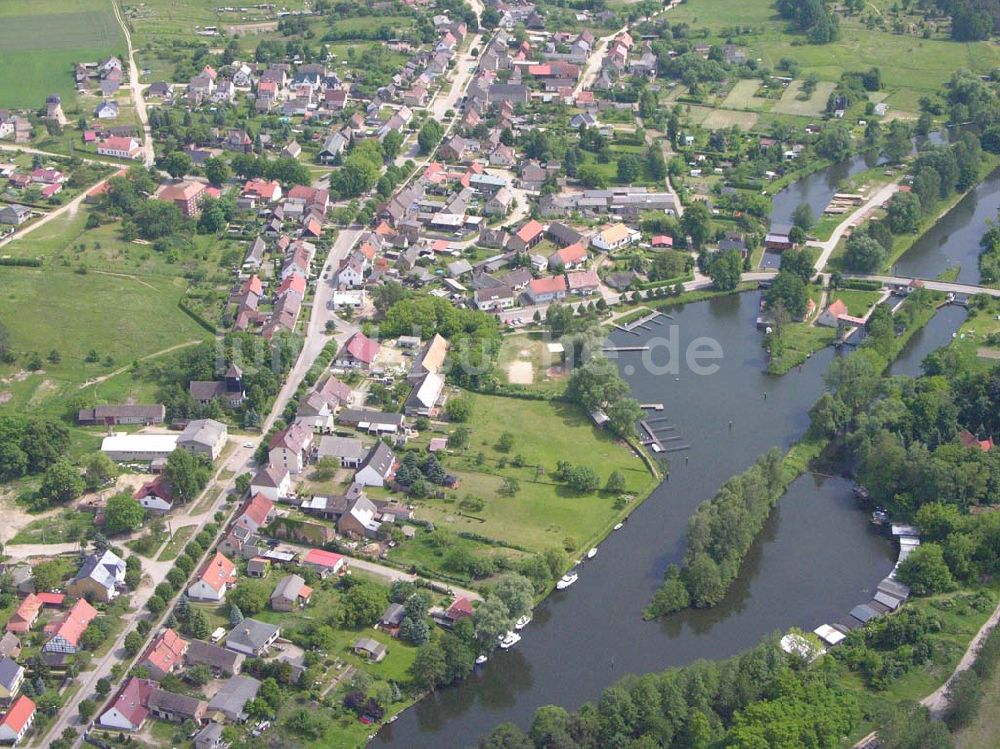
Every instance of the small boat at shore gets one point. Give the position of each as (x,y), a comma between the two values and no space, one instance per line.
(619,526)
(509,640)
(592,553)
(566,580)
(522,622)
(480,660)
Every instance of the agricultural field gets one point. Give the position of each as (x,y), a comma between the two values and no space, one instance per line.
(911,66)
(543,513)
(743,96)
(40,41)
(794,101)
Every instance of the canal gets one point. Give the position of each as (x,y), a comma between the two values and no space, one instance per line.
(816,559)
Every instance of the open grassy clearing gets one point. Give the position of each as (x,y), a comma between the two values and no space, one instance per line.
(911,67)
(742,96)
(984,733)
(720,119)
(543,513)
(525,360)
(792,102)
(40,41)
(858,302)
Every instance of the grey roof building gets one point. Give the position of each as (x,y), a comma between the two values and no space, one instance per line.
(252,637)
(233,696)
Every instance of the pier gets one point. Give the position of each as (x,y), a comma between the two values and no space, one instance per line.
(651,406)
(650,439)
(624,348)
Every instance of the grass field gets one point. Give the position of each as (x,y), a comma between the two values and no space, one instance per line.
(984,733)
(911,67)
(791,103)
(41,40)
(519,352)
(858,302)
(742,96)
(543,513)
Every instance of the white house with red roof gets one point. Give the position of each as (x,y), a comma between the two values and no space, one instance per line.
(258,512)
(527,237)
(67,632)
(461,608)
(17,721)
(569,256)
(583,281)
(165,654)
(130,707)
(836,315)
(120,147)
(215,578)
(262,190)
(155,496)
(324,562)
(542,290)
(358,353)
(289,448)
(273,482)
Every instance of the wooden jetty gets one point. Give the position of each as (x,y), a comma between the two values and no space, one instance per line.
(651,440)
(651,406)
(677,449)
(625,348)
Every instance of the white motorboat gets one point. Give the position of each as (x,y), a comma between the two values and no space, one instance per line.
(481,659)
(592,553)
(522,622)
(566,580)
(509,640)
(619,526)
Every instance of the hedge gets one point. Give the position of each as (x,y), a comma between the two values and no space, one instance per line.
(24,262)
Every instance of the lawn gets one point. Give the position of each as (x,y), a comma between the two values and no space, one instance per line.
(525,360)
(66,527)
(858,302)
(543,513)
(742,96)
(119,316)
(40,41)
(974,342)
(176,544)
(984,733)
(793,101)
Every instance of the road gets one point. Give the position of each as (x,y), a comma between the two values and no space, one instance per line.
(945,286)
(72,206)
(239,462)
(881,197)
(133,82)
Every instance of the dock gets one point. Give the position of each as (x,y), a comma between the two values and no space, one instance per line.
(651,406)
(610,349)
(650,439)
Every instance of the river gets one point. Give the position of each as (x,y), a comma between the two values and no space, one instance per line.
(816,559)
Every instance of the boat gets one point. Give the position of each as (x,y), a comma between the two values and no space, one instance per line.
(481,659)
(619,526)
(592,553)
(522,622)
(509,640)
(566,580)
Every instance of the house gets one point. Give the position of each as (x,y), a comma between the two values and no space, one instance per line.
(100,577)
(106,110)
(779,237)
(210,737)
(252,637)
(272,482)
(359,519)
(233,696)
(258,567)
(371,649)
(358,353)
(836,314)
(14,214)
(155,496)
(661,241)
(10,646)
(24,616)
(324,562)
(11,679)
(262,190)
(348,451)
(115,415)
(204,437)
(176,708)
(502,156)
(290,593)
(257,513)
(122,148)
(969,441)
(214,579)
(377,468)
(500,203)
(425,395)
(569,256)
(165,654)
(222,662)
(515,93)
(333,147)
(542,290)
(614,236)
(289,448)
(494,298)
(583,282)
(17,721)
(585,120)
(66,633)
(461,608)
(431,359)
(185,194)
(526,237)
(392,617)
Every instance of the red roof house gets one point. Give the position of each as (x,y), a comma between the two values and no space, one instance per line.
(25,615)
(66,633)
(324,562)
(360,352)
(17,721)
(165,654)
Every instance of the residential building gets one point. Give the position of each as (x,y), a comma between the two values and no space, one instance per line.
(100,578)
(495,298)
(272,481)
(289,448)
(214,579)
(358,353)
(66,633)
(11,679)
(17,721)
(257,513)
(25,615)
(324,562)
(223,662)
(14,214)
(350,452)
(530,234)
(543,290)
(185,194)
(252,637)
(155,496)
(232,698)
(290,593)
(614,236)
(359,520)
(583,282)
(570,256)
(165,654)
(204,437)
(377,468)
(120,147)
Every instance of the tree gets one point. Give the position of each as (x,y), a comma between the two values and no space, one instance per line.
(47,575)
(834,143)
(591,175)
(926,571)
(903,213)
(725,269)
(704,581)
(510,487)
(86,709)
(176,164)
(459,439)
(414,631)
(250,597)
(789,290)
(216,170)
(615,483)
(133,643)
(516,592)
(61,482)
(506,442)
(583,479)
(459,409)
(123,514)
(187,474)
(99,469)
(491,620)
(623,415)
(429,667)
(697,224)
(507,736)
(670,597)
(362,605)
(430,135)
(803,217)
(197,624)
(629,168)
(864,254)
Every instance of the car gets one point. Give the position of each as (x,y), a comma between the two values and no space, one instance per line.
(248,444)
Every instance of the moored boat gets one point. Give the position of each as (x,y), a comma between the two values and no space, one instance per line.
(566,580)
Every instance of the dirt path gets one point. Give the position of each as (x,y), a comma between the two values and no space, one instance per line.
(121,370)
(126,275)
(137,97)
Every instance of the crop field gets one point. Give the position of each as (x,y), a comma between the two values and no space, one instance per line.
(791,103)
(742,96)
(911,67)
(719,119)
(40,41)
